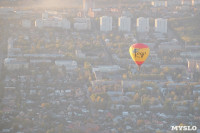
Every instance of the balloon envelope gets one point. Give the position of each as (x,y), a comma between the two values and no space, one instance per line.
(139,53)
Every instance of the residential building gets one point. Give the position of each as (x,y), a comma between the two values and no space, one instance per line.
(54,21)
(195,2)
(60,23)
(109,68)
(45,15)
(193,65)
(161,25)
(82,24)
(39,61)
(173,3)
(106,23)
(26,23)
(124,24)
(80,54)
(68,64)
(186,2)
(159,3)
(142,24)
(12,51)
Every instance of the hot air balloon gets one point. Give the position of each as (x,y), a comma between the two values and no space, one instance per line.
(139,53)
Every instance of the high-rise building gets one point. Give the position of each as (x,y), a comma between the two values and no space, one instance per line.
(173,3)
(142,24)
(186,2)
(45,15)
(195,2)
(105,23)
(124,24)
(87,4)
(161,25)
(193,65)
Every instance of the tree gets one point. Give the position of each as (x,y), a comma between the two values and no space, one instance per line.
(57,45)
(93,97)
(124,76)
(90,89)
(50,130)
(1,89)
(136,98)
(140,123)
(98,99)
(167,105)
(87,65)
(145,101)
(60,128)
(158,131)
(45,105)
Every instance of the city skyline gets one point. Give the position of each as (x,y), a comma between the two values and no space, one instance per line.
(73,68)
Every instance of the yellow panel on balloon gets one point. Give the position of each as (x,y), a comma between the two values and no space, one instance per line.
(139,53)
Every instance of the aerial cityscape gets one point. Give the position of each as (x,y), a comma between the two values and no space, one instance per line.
(65,66)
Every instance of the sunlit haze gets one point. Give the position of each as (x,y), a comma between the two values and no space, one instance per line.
(99,66)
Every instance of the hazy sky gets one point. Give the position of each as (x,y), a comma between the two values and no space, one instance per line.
(58,3)
(44,3)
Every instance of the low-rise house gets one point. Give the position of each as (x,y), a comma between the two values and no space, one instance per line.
(97,83)
(125,113)
(26,23)
(129,93)
(39,61)
(190,54)
(196,91)
(169,47)
(135,107)
(181,108)
(68,64)
(121,61)
(111,68)
(43,55)
(80,54)
(62,92)
(6,130)
(117,107)
(130,83)
(114,93)
(183,67)
(157,107)
(173,85)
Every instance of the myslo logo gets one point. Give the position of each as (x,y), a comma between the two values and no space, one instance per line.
(184,128)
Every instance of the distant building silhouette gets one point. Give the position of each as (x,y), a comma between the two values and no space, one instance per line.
(186,2)
(105,23)
(87,4)
(194,69)
(159,3)
(142,24)
(193,65)
(49,20)
(195,2)
(161,25)
(124,24)
(82,24)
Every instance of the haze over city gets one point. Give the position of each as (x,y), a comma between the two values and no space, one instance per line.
(99,66)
